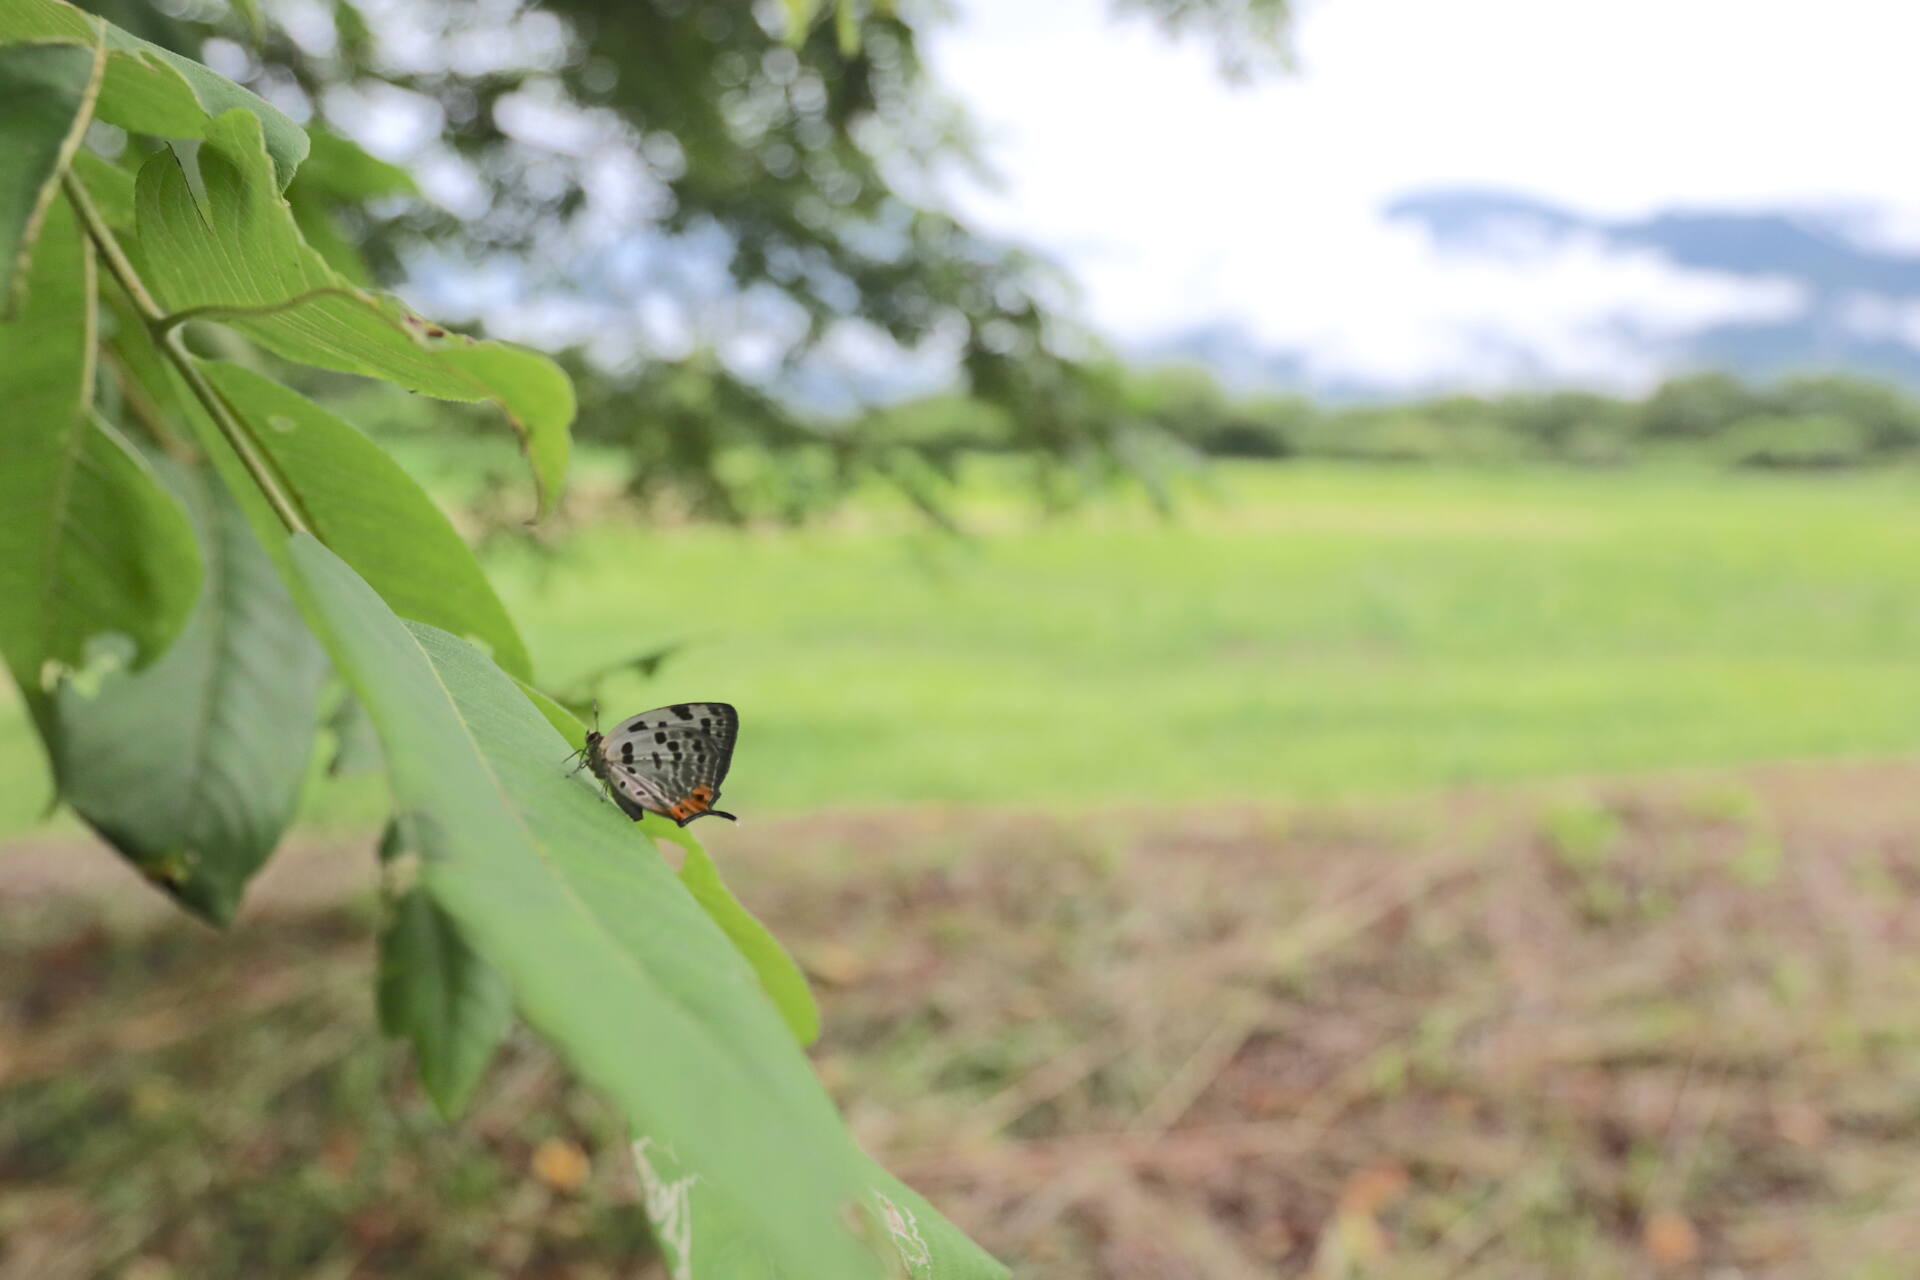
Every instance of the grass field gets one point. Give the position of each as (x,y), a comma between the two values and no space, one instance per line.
(1302,632)
(1657,1026)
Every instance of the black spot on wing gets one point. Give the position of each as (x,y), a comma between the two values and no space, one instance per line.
(682,710)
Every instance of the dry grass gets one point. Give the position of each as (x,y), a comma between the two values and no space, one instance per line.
(1654,1029)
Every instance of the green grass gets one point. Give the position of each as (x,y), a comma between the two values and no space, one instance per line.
(1308,631)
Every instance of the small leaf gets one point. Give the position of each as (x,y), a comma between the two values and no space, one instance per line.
(564,721)
(89,544)
(256,26)
(376,517)
(799,18)
(147,89)
(779,976)
(241,256)
(579,697)
(846,27)
(46,96)
(192,767)
(435,993)
(342,169)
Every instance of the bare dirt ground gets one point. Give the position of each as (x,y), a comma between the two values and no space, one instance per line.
(1654,1027)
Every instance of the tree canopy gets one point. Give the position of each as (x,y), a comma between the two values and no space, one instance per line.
(701,195)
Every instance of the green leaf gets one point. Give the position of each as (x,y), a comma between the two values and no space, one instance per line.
(339,172)
(46,95)
(108,185)
(779,975)
(89,543)
(342,169)
(321,230)
(799,18)
(434,991)
(147,89)
(608,955)
(356,748)
(192,768)
(928,1246)
(846,28)
(564,722)
(374,515)
(240,257)
(256,26)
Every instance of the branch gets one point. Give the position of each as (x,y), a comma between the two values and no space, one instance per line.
(166,338)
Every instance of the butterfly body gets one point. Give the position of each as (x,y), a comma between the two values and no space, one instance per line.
(669,761)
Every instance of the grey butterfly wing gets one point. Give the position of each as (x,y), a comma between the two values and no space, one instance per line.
(672,760)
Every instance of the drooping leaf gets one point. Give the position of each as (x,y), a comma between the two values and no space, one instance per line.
(580,697)
(46,96)
(344,170)
(374,515)
(435,992)
(192,768)
(781,978)
(241,249)
(89,544)
(147,89)
(607,954)
(340,172)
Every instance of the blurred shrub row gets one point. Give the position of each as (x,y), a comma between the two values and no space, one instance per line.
(1810,422)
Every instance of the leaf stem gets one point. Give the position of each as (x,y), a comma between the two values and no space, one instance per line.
(166,338)
(220,311)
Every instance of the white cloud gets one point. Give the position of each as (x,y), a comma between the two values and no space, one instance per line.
(1178,200)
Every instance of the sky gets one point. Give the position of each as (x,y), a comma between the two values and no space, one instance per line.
(1178,200)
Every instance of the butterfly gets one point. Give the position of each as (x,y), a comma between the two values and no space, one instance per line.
(668,761)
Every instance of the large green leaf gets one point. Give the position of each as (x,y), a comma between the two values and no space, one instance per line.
(89,543)
(237,249)
(192,767)
(46,95)
(435,992)
(779,976)
(607,953)
(364,505)
(147,89)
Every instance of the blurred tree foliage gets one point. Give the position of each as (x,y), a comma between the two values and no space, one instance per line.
(766,177)
(1808,422)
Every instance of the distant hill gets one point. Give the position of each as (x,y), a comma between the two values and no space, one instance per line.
(1860,308)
